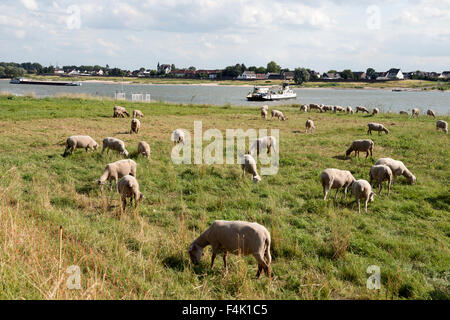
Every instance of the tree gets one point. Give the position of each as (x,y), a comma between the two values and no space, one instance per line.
(347,74)
(192,68)
(273,67)
(370,73)
(301,75)
(332,71)
(172,67)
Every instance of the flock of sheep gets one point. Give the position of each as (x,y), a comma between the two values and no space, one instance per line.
(241,237)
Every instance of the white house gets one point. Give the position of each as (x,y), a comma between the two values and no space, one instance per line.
(395,74)
(247,75)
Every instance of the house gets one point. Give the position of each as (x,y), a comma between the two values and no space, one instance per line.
(359,75)
(260,76)
(394,74)
(273,76)
(314,74)
(58,71)
(380,75)
(247,75)
(444,75)
(74,72)
(331,76)
(287,75)
(163,68)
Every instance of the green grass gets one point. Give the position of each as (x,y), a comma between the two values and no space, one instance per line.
(320,250)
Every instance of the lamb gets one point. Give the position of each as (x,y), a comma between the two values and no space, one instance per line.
(249,165)
(135,126)
(349,110)
(362,109)
(415,112)
(397,168)
(137,113)
(144,149)
(381,173)
(128,187)
(237,237)
(74,142)
(376,127)
(375,111)
(116,170)
(431,113)
(268,142)
(403,112)
(310,126)
(120,111)
(362,190)
(264,111)
(441,124)
(278,114)
(178,136)
(335,179)
(114,144)
(304,108)
(361,145)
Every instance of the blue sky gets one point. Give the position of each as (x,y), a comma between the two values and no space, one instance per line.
(321,34)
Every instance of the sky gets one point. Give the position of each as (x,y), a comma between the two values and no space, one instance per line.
(208,34)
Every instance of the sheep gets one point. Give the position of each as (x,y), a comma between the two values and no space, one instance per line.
(268,142)
(249,165)
(375,111)
(137,113)
(441,124)
(278,114)
(349,110)
(237,237)
(74,142)
(335,179)
(376,127)
(310,126)
(381,173)
(264,111)
(304,108)
(327,108)
(338,108)
(431,113)
(398,169)
(361,145)
(415,112)
(315,107)
(362,109)
(403,112)
(114,144)
(362,189)
(135,126)
(116,170)
(144,149)
(128,187)
(178,136)
(120,111)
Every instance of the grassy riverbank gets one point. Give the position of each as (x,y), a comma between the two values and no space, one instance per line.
(320,250)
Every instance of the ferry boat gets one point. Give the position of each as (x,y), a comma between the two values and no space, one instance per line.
(280,93)
(258,93)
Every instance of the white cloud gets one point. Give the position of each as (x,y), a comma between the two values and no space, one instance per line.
(30,4)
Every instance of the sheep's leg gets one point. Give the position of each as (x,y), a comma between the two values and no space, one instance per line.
(367,154)
(345,192)
(225,261)
(335,196)
(365,204)
(261,265)
(325,192)
(389,187)
(213,257)
(359,206)
(124,203)
(380,184)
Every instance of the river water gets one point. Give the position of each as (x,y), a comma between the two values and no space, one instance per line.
(385,100)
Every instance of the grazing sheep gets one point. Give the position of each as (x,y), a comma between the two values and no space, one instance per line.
(278,114)
(304,108)
(441,124)
(338,108)
(237,237)
(403,112)
(389,112)
(310,126)
(144,149)
(315,107)
(260,144)
(135,126)
(327,108)
(349,110)
(128,187)
(120,111)
(114,144)
(397,168)
(431,113)
(361,145)
(116,170)
(362,109)
(74,142)
(264,111)
(415,112)
(249,165)
(381,173)
(362,190)
(375,111)
(335,179)
(137,113)
(178,136)
(376,127)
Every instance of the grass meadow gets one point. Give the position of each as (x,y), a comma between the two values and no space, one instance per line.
(320,250)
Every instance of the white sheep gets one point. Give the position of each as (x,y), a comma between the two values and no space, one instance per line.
(135,126)
(237,237)
(362,190)
(362,109)
(338,108)
(349,110)
(120,111)
(178,136)
(376,127)
(398,169)
(260,144)
(365,145)
(375,111)
(327,108)
(335,179)
(74,142)
(441,124)
(415,112)
(278,114)
(249,165)
(137,113)
(116,170)
(144,149)
(264,111)
(128,187)
(114,144)
(310,126)
(381,173)
(431,113)
(315,107)
(304,108)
